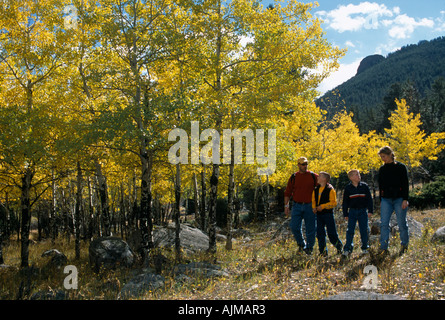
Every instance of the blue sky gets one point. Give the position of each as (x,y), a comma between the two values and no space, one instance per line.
(375,27)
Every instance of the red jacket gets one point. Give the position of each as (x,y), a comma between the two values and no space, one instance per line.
(300,186)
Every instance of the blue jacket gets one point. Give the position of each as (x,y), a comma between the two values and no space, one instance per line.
(357,198)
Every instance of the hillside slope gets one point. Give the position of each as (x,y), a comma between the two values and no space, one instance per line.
(419,63)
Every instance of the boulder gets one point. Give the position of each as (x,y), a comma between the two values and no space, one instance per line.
(141,284)
(192,239)
(110,252)
(439,235)
(58,259)
(363,295)
(283,230)
(414,227)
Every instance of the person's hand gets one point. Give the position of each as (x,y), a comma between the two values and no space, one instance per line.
(286,212)
(319,208)
(405,204)
(314,210)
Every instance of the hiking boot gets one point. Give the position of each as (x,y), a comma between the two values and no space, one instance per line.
(383,253)
(324,253)
(300,249)
(403,249)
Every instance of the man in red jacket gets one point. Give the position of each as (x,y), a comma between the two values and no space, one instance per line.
(299,189)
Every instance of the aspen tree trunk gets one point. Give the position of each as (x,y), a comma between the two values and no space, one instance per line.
(255,202)
(215,172)
(146,223)
(77,210)
(26,215)
(1,247)
(266,196)
(203,198)
(212,208)
(122,211)
(90,231)
(196,195)
(3,220)
(103,195)
(4,226)
(178,212)
(52,223)
(230,194)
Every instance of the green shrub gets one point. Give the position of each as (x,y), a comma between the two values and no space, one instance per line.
(430,195)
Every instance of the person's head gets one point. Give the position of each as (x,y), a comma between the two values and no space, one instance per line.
(323,178)
(302,164)
(354,176)
(386,154)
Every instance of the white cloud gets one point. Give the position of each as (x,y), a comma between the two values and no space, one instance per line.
(344,73)
(441,22)
(356,17)
(350,44)
(371,15)
(404,26)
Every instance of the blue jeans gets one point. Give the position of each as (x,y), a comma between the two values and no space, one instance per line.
(360,216)
(327,220)
(387,207)
(300,212)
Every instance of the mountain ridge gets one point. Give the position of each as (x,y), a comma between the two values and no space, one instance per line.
(420,63)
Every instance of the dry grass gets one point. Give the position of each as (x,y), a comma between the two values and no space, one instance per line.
(258,269)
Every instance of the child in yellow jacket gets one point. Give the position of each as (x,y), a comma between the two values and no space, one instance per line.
(324,200)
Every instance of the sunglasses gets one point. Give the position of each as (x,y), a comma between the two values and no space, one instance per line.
(303,164)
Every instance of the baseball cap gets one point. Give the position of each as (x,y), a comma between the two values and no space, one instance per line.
(302,160)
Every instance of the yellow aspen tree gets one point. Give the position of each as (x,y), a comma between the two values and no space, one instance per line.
(33,47)
(409,142)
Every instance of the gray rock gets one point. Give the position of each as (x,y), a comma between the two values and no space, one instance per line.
(141,284)
(363,295)
(241,233)
(58,259)
(375,227)
(439,235)
(204,269)
(414,227)
(192,239)
(110,252)
(5,267)
(50,295)
(283,230)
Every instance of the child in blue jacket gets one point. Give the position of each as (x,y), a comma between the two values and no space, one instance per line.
(357,207)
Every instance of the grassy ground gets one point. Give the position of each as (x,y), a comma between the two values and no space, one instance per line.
(260,268)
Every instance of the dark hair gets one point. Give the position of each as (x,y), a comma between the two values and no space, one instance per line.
(388,151)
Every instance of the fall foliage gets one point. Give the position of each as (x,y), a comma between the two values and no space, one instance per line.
(89,92)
